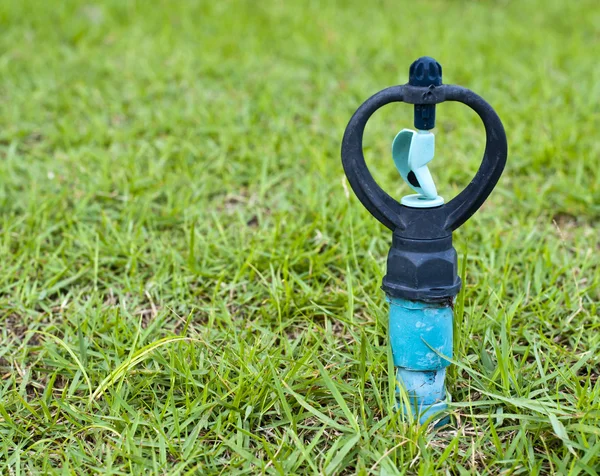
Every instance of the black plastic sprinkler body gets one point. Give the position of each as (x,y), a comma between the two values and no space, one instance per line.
(422,279)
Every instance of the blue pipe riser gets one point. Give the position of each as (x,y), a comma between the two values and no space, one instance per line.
(421,336)
(427,386)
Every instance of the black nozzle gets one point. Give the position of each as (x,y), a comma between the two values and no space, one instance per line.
(425,72)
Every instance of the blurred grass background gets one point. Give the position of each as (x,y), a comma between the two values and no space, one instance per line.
(188,287)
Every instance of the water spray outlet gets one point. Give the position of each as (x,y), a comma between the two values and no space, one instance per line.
(421,281)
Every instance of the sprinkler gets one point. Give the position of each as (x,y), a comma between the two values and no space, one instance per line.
(422,280)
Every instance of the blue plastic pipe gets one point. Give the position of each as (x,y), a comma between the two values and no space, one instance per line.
(421,340)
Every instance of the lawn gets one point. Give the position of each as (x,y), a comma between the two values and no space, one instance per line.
(188,286)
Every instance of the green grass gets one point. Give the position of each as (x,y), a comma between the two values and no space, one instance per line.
(188,287)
